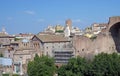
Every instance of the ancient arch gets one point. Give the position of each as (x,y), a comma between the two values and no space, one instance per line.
(115,33)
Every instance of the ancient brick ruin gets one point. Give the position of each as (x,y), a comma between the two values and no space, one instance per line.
(108,41)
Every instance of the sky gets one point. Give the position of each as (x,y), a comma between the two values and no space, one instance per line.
(33,16)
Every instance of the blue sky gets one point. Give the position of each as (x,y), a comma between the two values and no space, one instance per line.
(24,16)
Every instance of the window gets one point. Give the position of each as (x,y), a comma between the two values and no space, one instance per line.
(38,44)
(52,46)
(112,48)
(82,49)
(34,44)
(46,47)
(24,44)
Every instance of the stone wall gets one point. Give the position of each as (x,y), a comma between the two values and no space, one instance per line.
(86,47)
(104,42)
(112,21)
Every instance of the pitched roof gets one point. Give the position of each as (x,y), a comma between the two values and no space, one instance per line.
(2,34)
(53,38)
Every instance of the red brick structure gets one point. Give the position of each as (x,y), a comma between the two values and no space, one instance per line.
(69,23)
(108,41)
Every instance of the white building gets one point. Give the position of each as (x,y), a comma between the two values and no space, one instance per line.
(97,28)
(67,31)
(50,29)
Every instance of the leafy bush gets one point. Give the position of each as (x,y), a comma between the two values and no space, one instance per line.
(16,39)
(93,37)
(59,31)
(1,55)
(15,75)
(5,75)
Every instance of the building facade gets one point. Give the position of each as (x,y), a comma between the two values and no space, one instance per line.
(50,45)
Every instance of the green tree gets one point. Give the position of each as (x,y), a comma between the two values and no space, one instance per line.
(1,55)
(41,66)
(75,67)
(16,39)
(106,65)
(102,65)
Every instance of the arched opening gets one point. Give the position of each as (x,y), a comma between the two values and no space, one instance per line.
(115,33)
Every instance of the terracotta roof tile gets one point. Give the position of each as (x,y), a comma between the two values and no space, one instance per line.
(52,38)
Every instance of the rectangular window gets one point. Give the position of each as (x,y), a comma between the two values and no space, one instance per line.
(46,47)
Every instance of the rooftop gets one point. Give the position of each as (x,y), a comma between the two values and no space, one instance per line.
(53,38)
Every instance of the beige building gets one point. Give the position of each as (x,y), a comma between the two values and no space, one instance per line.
(23,51)
(97,28)
(59,28)
(51,45)
(5,50)
(5,41)
(21,57)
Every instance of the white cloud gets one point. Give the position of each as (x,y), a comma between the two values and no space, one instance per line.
(29,12)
